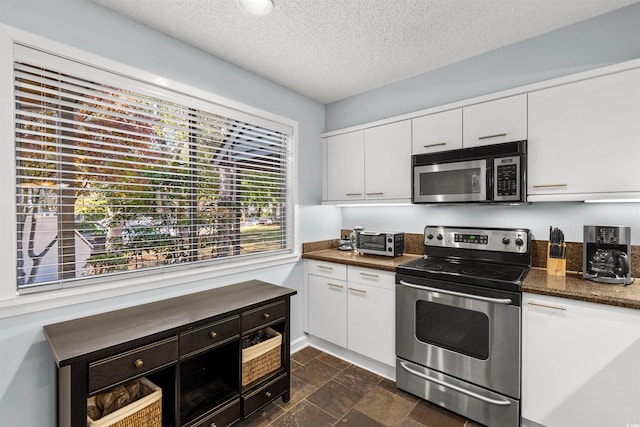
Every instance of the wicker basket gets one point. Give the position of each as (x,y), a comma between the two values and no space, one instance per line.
(262,358)
(146,411)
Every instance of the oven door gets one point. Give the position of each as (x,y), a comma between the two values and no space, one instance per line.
(462,331)
(455,182)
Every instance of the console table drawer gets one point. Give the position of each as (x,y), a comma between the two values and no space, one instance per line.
(112,370)
(222,418)
(264,395)
(263,315)
(209,335)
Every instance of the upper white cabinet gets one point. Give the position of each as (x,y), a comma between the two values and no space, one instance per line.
(387,161)
(437,132)
(580,363)
(370,164)
(493,122)
(584,138)
(345,166)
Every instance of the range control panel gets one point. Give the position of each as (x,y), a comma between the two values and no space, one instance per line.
(490,239)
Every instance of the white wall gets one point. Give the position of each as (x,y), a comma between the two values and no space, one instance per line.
(570,217)
(27,375)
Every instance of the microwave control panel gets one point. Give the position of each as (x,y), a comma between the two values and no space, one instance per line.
(506,178)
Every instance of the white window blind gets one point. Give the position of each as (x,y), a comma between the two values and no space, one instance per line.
(114,176)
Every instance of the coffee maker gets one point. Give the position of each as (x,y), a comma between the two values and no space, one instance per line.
(607,254)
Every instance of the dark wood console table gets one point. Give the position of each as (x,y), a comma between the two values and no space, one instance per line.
(190,346)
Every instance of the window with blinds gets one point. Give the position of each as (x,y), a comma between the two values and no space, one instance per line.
(114,176)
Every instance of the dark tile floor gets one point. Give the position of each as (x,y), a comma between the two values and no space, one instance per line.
(327,391)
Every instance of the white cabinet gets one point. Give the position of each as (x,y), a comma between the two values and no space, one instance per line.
(493,122)
(371,164)
(584,138)
(581,363)
(387,161)
(327,301)
(345,166)
(371,314)
(352,307)
(437,132)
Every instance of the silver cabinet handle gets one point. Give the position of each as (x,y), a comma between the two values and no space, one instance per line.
(458,294)
(539,304)
(369,275)
(497,135)
(454,387)
(440,144)
(333,285)
(362,291)
(323,267)
(353,194)
(549,185)
(375,194)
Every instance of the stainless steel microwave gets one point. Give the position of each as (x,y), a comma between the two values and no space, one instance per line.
(487,174)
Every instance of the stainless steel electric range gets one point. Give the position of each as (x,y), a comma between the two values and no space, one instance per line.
(458,321)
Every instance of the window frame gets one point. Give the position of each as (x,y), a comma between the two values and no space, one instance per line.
(12,301)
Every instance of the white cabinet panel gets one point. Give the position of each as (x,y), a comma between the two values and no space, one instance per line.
(584,137)
(327,309)
(387,160)
(371,314)
(581,363)
(345,166)
(437,132)
(493,122)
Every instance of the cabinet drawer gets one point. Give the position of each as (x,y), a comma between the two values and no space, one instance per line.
(112,370)
(327,269)
(263,315)
(265,394)
(221,418)
(209,335)
(373,277)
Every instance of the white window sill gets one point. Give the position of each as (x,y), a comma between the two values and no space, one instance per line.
(35,302)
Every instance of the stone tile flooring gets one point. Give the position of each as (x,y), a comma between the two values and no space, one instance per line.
(327,391)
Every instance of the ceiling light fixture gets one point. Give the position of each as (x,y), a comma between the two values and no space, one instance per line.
(256,7)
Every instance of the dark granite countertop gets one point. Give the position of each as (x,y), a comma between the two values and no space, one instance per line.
(537,281)
(574,287)
(351,258)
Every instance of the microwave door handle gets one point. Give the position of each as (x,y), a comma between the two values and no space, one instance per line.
(489,178)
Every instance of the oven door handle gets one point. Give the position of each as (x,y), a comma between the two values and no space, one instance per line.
(458,294)
(454,387)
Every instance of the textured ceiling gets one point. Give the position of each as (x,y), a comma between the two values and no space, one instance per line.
(333,49)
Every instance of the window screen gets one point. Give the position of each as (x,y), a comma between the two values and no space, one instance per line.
(115,176)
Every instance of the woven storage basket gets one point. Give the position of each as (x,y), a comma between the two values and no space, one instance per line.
(262,358)
(146,411)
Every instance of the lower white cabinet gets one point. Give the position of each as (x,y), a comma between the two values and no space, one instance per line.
(357,313)
(581,363)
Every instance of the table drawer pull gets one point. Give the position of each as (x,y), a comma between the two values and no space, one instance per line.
(138,363)
(266,315)
(268,395)
(213,334)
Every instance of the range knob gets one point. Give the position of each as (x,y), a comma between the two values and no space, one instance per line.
(429,236)
(519,242)
(439,236)
(506,240)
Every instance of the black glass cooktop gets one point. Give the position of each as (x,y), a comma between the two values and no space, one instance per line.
(468,272)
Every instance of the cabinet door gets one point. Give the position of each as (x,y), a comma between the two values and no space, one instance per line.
(387,159)
(493,122)
(371,314)
(345,166)
(437,132)
(580,363)
(328,309)
(583,137)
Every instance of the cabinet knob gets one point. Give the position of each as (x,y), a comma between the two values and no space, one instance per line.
(266,315)
(268,394)
(138,363)
(213,334)
(213,425)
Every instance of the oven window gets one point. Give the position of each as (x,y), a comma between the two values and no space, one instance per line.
(456,329)
(459,181)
